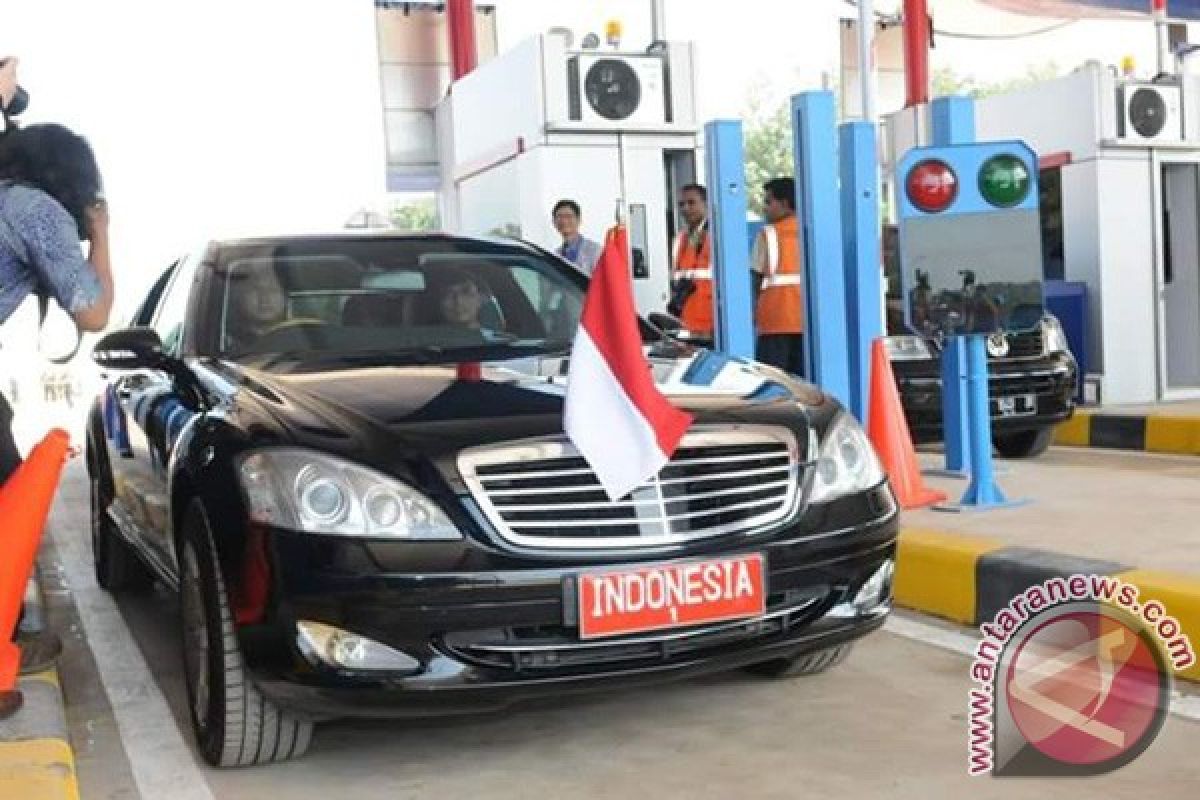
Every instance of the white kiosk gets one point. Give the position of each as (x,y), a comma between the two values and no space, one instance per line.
(1120,162)
(546,121)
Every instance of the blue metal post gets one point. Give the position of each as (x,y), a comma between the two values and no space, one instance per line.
(982,491)
(955,427)
(819,209)
(953,120)
(861,261)
(734,321)
(954,123)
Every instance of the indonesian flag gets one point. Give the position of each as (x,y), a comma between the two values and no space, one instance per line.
(615,415)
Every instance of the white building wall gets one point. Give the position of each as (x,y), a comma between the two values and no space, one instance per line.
(1051,117)
(1126,209)
(1081,247)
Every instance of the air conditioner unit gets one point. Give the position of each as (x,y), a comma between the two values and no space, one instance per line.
(607,91)
(1149,113)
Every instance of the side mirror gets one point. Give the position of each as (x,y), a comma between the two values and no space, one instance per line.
(665,322)
(131,348)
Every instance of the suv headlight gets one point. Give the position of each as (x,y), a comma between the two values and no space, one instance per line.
(1054,340)
(847,463)
(907,348)
(311,492)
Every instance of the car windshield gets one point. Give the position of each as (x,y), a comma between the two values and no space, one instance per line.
(417,300)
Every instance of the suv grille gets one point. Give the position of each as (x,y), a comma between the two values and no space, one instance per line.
(542,493)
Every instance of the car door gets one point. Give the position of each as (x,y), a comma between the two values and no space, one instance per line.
(120,399)
(156,414)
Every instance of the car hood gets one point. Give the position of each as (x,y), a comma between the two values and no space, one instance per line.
(389,414)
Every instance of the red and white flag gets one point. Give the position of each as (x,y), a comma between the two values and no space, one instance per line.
(615,415)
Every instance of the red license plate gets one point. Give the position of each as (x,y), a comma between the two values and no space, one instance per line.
(662,596)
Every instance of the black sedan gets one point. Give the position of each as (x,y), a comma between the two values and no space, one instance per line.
(346,454)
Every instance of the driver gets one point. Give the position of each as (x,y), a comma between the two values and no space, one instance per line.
(258,305)
(461,299)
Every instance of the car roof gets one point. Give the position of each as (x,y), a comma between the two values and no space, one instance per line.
(372,234)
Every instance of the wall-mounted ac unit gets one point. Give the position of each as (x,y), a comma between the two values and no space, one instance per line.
(1149,113)
(617,92)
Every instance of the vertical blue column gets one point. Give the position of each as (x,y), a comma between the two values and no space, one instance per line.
(955,427)
(982,493)
(819,208)
(953,121)
(861,262)
(725,169)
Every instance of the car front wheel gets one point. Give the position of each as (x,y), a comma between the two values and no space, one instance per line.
(235,725)
(807,664)
(1026,444)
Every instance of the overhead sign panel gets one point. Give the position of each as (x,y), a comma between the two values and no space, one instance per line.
(1067,9)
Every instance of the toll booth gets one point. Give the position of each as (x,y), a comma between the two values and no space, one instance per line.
(548,120)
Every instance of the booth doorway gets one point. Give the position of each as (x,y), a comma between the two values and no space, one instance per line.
(1181,276)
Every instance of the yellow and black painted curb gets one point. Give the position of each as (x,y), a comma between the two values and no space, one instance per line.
(1151,433)
(968,579)
(36,760)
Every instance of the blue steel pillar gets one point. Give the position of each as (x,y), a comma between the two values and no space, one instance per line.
(954,123)
(861,260)
(982,492)
(819,208)
(734,323)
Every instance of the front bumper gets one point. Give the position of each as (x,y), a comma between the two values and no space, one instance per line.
(1052,381)
(488,639)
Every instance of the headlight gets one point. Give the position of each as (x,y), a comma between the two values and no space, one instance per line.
(907,348)
(847,463)
(1053,338)
(307,491)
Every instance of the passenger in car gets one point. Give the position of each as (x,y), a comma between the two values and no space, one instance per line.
(461,298)
(258,305)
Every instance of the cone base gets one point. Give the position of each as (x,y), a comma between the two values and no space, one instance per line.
(962,507)
(920,498)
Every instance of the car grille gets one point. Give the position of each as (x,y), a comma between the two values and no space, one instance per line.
(550,648)
(1022,344)
(542,493)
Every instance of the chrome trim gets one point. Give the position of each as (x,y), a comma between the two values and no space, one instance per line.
(646,506)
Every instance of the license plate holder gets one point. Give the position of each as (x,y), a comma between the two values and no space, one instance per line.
(651,597)
(1017,405)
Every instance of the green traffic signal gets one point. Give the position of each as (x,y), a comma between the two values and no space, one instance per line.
(1004,180)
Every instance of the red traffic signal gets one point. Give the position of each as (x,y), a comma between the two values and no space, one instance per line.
(931,186)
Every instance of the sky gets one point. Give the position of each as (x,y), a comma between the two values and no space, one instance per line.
(233,115)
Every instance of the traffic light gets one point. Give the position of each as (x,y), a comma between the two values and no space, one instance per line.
(970,238)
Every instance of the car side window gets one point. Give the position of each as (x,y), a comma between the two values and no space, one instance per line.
(558,310)
(169,319)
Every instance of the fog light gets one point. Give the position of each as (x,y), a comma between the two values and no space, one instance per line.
(330,646)
(878,588)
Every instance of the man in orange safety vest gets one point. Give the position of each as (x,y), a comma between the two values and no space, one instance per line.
(779,289)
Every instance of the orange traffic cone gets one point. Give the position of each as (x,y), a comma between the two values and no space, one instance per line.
(888,431)
(24,505)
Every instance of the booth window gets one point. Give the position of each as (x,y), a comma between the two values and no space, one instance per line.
(1050,199)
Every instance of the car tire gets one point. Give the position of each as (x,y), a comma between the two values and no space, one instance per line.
(1026,444)
(807,664)
(118,568)
(234,725)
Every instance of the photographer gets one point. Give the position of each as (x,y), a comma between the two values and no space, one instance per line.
(8,83)
(691,264)
(49,200)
